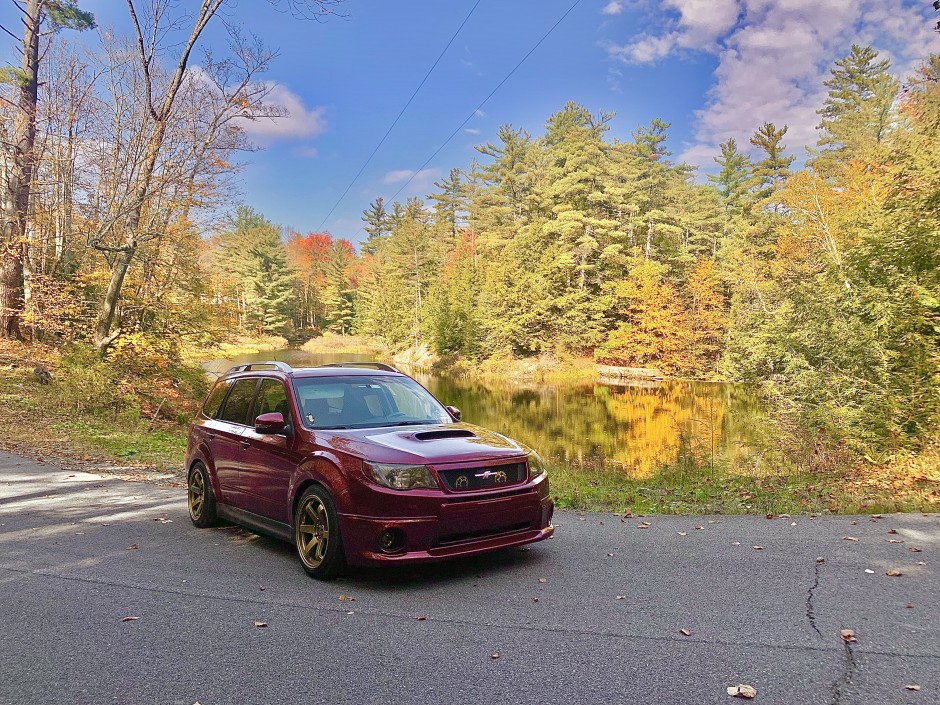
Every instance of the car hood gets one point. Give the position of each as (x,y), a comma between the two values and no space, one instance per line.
(427,444)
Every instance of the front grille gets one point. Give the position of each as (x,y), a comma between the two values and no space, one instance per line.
(484,478)
(467,536)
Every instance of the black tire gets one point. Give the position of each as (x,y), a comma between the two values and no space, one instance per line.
(201,500)
(316,534)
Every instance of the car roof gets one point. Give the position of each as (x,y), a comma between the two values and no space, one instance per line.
(333,369)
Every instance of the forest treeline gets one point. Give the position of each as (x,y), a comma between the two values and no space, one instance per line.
(822,283)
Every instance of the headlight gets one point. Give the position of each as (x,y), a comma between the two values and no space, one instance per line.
(401,477)
(536,467)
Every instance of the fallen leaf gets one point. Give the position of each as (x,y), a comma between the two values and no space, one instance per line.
(792,523)
(421,618)
(621,597)
(742,691)
(895,573)
(543,580)
(350,612)
(921,563)
(771,516)
(261,588)
(643,525)
(848,636)
(910,607)
(535,599)
(130,619)
(259,623)
(892,531)
(628,514)
(133,547)
(895,541)
(735,543)
(784,516)
(346,598)
(699,527)
(758,548)
(912,687)
(820,559)
(849,538)
(610,555)
(683,533)
(494,656)
(685,632)
(914,549)
(853,523)
(869,571)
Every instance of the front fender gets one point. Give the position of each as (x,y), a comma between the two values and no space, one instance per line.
(321,468)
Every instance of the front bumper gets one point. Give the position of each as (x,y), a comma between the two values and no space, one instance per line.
(461,527)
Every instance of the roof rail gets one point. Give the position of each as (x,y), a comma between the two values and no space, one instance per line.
(369,365)
(248,366)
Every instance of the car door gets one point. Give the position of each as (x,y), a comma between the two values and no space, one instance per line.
(225,440)
(268,459)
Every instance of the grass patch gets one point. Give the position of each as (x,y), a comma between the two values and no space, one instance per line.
(330,343)
(693,488)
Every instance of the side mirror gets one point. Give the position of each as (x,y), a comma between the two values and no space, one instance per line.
(454,411)
(270,423)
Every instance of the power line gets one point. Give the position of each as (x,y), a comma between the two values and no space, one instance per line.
(401,112)
(485,100)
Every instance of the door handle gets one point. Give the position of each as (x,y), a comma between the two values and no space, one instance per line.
(211,436)
(246,444)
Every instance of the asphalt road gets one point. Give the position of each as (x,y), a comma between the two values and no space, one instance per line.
(79,553)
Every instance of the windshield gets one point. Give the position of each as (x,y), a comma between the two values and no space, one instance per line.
(363,401)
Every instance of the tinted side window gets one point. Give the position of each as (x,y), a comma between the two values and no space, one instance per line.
(214,400)
(238,403)
(272,397)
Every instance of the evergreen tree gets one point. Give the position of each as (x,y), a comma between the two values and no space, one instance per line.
(733,179)
(377,225)
(771,172)
(857,114)
(252,249)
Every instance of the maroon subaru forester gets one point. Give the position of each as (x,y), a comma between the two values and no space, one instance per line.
(359,464)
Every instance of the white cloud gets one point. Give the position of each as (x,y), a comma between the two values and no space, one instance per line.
(773,57)
(613,8)
(479,113)
(300,121)
(471,131)
(308,152)
(400,175)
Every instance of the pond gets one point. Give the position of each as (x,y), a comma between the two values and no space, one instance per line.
(641,427)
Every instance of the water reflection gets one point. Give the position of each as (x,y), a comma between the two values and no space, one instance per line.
(640,428)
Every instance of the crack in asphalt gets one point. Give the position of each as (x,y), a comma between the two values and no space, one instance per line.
(849,670)
(810,609)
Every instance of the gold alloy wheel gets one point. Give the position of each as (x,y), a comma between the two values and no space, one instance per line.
(313,532)
(197,494)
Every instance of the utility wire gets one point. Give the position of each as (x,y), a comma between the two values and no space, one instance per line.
(401,112)
(485,100)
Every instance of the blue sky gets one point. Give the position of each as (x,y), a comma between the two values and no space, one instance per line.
(713,68)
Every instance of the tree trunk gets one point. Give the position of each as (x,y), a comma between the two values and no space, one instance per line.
(19,176)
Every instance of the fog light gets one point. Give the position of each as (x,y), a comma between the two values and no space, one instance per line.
(391,540)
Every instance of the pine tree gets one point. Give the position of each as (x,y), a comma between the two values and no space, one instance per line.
(857,114)
(771,172)
(378,224)
(733,179)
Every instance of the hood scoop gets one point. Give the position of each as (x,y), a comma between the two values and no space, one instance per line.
(444,433)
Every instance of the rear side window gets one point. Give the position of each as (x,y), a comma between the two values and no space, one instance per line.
(272,397)
(238,403)
(214,400)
